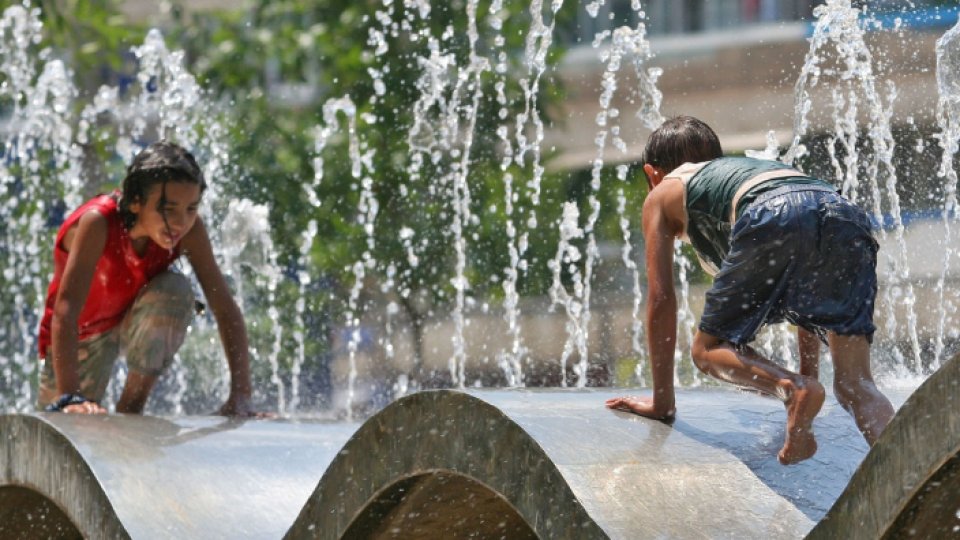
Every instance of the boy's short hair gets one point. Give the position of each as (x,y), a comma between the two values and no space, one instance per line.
(679,140)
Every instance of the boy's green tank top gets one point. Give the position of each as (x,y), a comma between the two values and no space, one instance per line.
(710,193)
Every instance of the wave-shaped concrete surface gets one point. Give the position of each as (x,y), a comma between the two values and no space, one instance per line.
(486,464)
(556,464)
(908,486)
(64,476)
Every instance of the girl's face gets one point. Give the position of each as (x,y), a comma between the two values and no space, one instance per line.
(168,224)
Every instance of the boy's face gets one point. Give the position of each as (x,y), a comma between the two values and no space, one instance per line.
(168,224)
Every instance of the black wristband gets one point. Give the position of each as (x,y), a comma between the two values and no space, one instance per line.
(64,401)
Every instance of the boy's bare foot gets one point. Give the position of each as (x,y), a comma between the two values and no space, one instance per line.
(802,404)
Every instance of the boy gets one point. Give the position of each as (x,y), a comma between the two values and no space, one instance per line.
(782,246)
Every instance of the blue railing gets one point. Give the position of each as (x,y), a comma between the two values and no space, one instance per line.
(909,217)
(935,17)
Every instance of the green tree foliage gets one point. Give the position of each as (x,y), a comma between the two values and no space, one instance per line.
(273,64)
(323,50)
(90,35)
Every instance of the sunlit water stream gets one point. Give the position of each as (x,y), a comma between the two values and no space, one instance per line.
(43,143)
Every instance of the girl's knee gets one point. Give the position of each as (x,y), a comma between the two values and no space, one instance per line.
(170,284)
(157,323)
(166,295)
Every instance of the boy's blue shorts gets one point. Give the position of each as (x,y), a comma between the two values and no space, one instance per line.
(803,254)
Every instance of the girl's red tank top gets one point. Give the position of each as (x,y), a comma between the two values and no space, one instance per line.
(119,275)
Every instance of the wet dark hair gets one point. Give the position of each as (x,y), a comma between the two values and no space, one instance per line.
(159,163)
(679,140)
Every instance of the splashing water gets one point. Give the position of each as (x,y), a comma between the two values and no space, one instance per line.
(461,191)
(625,42)
(636,323)
(948,119)
(453,94)
(839,29)
(332,108)
(538,42)
(247,226)
(39,159)
(568,256)
(369,207)
(770,152)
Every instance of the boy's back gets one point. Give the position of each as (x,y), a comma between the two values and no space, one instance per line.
(768,234)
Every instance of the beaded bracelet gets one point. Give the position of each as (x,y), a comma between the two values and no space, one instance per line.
(65,401)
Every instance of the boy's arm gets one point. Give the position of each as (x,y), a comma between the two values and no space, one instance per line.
(809,346)
(659,233)
(660,227)
(230,323)
(84,246)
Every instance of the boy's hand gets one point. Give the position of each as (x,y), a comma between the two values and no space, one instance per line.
(240,407)
(641,405)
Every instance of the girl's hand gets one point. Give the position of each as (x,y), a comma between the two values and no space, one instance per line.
(74,403)
(87,407)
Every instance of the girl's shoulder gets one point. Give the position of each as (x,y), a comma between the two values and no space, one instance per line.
(102,204)
(100,208)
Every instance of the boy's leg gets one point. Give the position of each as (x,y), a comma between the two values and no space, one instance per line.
(854,387)
(803,396)
(95,357)
(153,331)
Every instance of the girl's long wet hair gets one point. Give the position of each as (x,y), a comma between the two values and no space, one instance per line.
(157,164)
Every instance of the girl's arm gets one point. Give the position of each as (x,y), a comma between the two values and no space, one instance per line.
(233,332)
(84,245)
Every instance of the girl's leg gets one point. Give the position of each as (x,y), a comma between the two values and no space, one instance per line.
(802,396)
(135,392)
(153,331)
(854,387)
(96,356)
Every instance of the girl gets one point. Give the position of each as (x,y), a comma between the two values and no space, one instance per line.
(112,289)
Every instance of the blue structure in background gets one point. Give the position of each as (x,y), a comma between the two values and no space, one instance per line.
(922,19)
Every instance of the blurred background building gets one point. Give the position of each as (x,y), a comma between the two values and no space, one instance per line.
(734,64)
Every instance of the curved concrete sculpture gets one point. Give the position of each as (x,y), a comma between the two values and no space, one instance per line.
(486,463)
(908,486)
(556,464)
(109,477)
